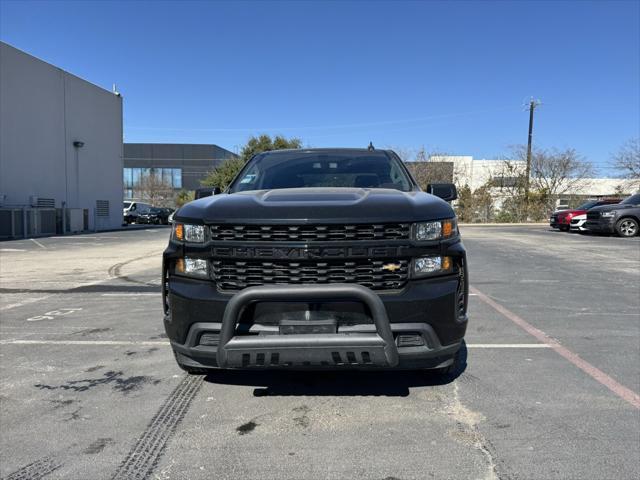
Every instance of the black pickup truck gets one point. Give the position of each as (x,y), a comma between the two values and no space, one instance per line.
(317,259)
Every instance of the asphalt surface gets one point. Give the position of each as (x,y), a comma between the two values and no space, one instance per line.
(89,388)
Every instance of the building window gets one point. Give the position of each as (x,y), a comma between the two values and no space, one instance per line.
(176,175)
(135,176)
(504,182)
(132,177)
(166,175)
(127,180)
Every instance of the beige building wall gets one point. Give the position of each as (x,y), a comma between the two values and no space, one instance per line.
(43,111)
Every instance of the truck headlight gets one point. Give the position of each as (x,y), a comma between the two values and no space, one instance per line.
(188,233)
(608,214)
(193,267)
(425,266)
(437,230)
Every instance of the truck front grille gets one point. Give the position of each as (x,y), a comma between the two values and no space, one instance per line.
(310,233)
(236,275)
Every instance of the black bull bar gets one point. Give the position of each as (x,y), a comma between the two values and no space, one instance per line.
(300,350)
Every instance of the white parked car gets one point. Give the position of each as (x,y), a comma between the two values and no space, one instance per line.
(577,223)
(131,210)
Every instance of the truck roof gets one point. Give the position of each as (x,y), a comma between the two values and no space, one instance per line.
(328,150)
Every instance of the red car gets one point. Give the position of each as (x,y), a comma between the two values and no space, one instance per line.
(562,218)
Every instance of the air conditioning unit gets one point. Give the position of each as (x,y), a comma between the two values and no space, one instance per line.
(33,200)
(75,220)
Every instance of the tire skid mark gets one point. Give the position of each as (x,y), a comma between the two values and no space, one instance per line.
(35,470)
(115,270)
(148,449)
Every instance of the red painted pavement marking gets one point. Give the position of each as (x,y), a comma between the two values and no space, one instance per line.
(620,390)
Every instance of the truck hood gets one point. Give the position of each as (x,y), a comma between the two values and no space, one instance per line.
(316,205)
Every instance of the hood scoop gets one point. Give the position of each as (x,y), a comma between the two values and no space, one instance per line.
(313,195)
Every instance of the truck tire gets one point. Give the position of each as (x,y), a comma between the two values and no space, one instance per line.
(627,227)
(190,370)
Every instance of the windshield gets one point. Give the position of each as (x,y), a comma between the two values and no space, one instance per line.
(306,169)
(587,205)
(126,204)
(632,200)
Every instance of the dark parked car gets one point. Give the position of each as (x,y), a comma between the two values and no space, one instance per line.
(318,259)
(574,219)
(156,216)
(623,218)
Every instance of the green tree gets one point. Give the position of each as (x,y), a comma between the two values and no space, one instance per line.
(464,207)
(475,206)
(223,174)
(483,204)
(265,143)
(184,196)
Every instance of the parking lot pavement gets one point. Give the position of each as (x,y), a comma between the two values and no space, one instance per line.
(89,388)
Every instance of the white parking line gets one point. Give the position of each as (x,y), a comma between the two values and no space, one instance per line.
(80,342)
(130,294)
(24,302)
(508,345)
(619,389)
(38,243)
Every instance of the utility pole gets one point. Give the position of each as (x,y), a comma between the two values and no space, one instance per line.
(532,106)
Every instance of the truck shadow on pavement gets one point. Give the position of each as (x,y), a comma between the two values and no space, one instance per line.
(100,288)
(355,383)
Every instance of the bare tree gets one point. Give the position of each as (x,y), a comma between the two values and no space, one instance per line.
(153,189)
(627,159)
(426,166)
(559,171)
(405,154)
(553,173)
(426,172)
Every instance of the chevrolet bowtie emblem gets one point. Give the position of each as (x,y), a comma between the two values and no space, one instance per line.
(391,267)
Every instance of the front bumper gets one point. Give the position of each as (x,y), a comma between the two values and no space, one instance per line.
(602,225)
(577,224)
(376,349)
(201,325)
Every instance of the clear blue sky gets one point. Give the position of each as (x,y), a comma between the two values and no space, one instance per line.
(450,76)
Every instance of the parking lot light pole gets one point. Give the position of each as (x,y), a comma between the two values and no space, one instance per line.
(532,106)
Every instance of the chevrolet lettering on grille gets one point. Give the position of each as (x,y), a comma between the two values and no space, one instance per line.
(308,253)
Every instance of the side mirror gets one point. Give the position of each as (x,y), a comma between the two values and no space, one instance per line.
(446,191)
(207,192)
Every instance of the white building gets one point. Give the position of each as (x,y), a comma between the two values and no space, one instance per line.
(477,173)
(60,149)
